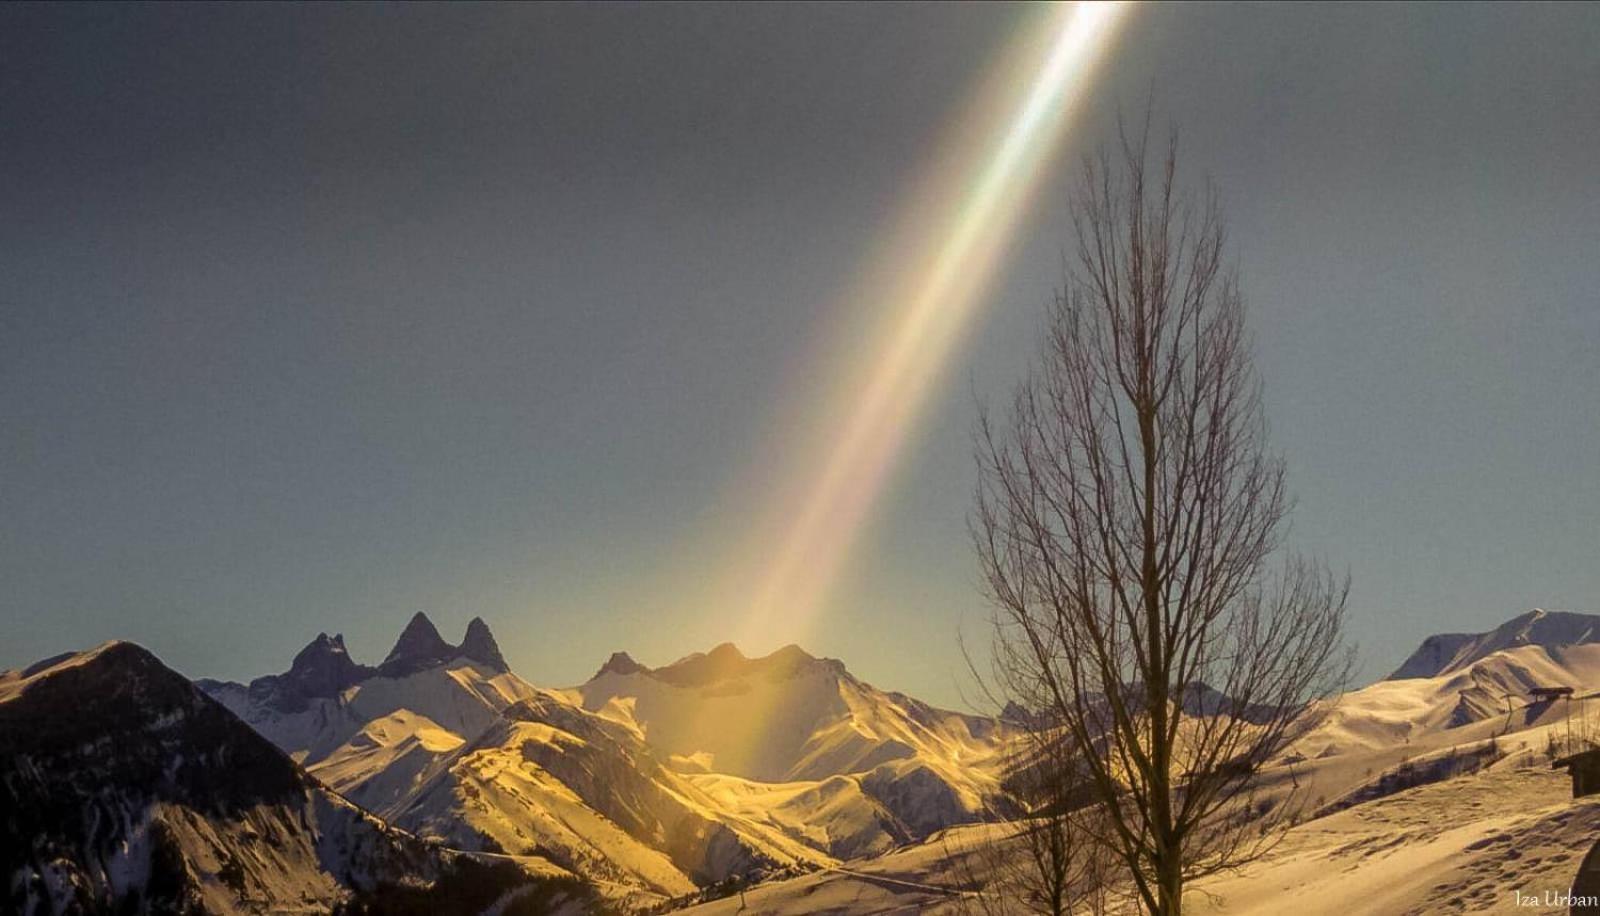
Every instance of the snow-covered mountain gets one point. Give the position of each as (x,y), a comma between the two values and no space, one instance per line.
(446,741)
(372,732)
(801,742)
(1550,630)
(125,789)
(440,781)
(1455,680)
(647,781)
(550,779)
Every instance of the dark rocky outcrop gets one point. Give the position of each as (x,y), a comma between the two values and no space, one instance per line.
(479,645)
(621,663)
(322,669)
(419,646)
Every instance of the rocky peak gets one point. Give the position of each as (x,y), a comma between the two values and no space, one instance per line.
(621,663)
(479,646)
(419,646)
(318,651)
(323,668)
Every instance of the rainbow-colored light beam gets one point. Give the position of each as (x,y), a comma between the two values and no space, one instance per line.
(927,286)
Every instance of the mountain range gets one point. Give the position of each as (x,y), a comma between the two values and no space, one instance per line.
(651,783)
(126,789)
(439,780)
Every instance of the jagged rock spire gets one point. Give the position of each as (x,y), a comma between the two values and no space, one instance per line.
(322,669)
(479,646)
(419,646)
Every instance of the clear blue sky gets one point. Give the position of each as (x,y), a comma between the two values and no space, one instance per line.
(312,317)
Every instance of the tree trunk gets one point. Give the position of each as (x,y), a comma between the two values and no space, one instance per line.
(1170,889)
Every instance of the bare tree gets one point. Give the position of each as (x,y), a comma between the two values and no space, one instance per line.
(1129,524)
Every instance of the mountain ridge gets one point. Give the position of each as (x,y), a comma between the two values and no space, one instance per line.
(441,743)
(1445,653)
(721,663)
(324,668)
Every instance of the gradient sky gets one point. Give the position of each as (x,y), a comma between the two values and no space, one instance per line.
(313,317)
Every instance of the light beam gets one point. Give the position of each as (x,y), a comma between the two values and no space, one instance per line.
(928,284)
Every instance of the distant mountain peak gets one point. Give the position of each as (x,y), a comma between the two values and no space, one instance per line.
(479,646)
(792,652)
(419,646)
(1446,652)
(322,669)
(323,652)
(621,663)
(419,631)
(322,645)
(722,663)
(726,651)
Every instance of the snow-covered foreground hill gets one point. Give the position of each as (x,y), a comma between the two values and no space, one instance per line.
(1465,845)
(1469,844)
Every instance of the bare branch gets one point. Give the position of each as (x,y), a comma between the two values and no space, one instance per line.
(1129,523)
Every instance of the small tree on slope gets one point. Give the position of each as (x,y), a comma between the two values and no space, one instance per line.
(1128,523)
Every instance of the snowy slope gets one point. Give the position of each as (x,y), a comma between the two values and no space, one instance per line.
(1422,794)
(1461,846)
(444,740)
(375,734)
(1458,841)
(790,719)
(551,778)
(1488,677)
(1450,652)
(834,814)
(123,787)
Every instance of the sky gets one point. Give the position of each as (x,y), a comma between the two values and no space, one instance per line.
(312,317)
